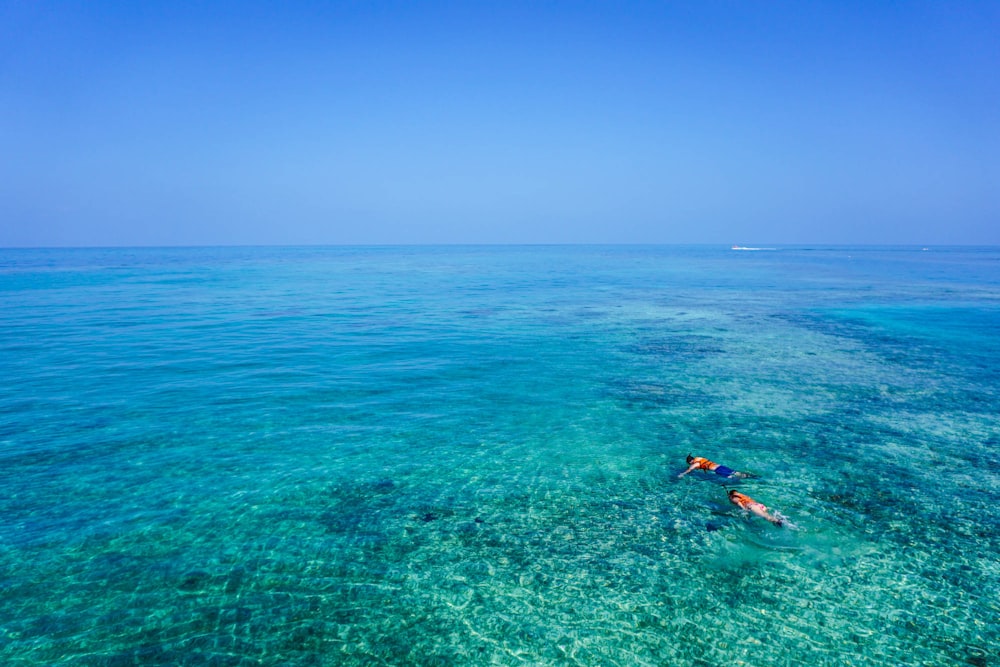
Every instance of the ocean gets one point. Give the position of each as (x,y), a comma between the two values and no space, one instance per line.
(468,455)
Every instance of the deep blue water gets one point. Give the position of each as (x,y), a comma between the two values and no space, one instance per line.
(468,455)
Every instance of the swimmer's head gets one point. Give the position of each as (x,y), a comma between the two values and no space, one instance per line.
(690,458)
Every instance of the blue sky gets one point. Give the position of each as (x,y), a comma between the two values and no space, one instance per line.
(173,123)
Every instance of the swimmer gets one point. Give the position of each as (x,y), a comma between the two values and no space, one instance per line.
(749,504)
(699,463)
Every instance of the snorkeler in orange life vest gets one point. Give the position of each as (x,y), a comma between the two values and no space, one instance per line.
(749,504)
(699,463)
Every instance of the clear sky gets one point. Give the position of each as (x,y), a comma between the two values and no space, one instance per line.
(191,123)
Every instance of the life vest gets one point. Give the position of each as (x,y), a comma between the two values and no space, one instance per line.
(704,464)
(744,501)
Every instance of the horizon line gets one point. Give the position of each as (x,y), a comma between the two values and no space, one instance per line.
(761,246)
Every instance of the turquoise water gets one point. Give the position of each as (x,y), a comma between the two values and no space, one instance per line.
(468,456)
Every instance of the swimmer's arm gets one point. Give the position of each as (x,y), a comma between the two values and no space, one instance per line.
(693,466)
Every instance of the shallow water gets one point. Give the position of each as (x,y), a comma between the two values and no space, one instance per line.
(468,455)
